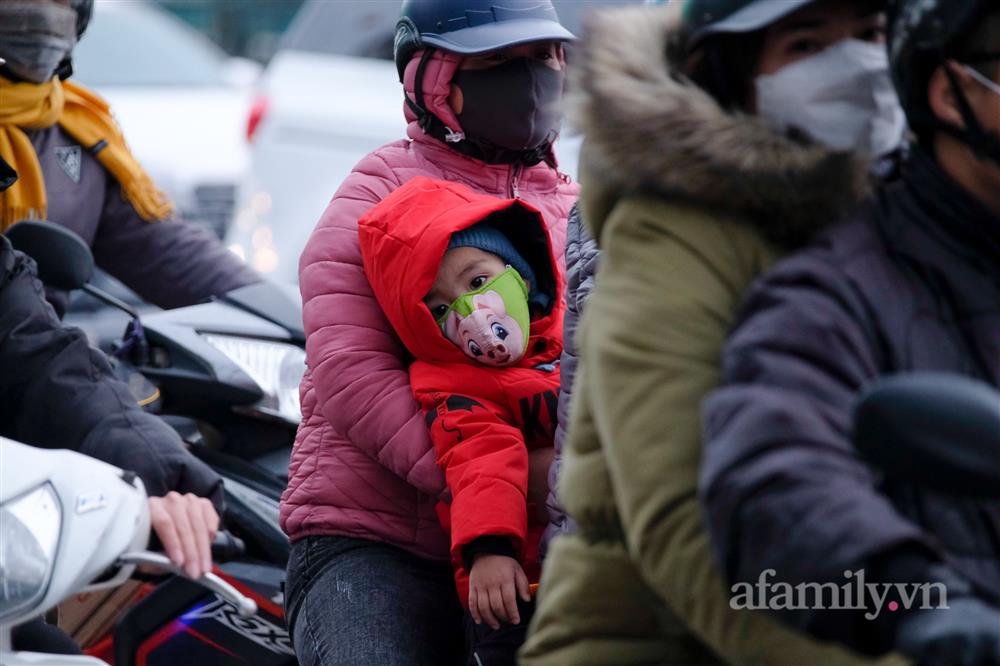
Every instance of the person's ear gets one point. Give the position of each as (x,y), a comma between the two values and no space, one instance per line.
(941,97)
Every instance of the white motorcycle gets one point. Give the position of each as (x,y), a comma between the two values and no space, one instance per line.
(71,524)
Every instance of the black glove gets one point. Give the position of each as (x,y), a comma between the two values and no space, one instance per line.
(966,633)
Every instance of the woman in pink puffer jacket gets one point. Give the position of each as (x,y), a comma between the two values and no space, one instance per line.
(368,576)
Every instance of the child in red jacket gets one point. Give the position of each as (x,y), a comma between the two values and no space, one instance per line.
(471,287)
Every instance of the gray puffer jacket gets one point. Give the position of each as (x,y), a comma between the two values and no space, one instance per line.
(582,258)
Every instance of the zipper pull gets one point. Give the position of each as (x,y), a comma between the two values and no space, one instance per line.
(513,181)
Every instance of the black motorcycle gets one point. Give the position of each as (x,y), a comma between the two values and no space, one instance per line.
(938,434)
(225,376)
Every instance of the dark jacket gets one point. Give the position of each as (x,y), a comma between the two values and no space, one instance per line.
(57,392)
(582,255)
(911,284)
(169,263)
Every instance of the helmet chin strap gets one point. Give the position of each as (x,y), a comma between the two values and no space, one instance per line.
(983,142)
(65,68)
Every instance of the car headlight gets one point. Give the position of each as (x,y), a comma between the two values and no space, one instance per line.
(277,367)
(29,535)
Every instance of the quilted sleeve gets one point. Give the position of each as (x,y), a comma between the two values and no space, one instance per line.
(355,358)
(485,462)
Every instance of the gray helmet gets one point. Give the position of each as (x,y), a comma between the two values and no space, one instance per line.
(468,27)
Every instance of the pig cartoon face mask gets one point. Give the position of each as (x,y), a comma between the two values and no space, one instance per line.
(491,324)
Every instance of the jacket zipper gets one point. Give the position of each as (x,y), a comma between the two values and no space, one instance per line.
(514,175)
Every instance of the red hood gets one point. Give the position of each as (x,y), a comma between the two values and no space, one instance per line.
(404,238)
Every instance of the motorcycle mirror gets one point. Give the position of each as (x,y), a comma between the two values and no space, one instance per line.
(933,430)
(63,258)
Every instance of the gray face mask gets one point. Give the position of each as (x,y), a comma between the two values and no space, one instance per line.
(842,97)
(35,37)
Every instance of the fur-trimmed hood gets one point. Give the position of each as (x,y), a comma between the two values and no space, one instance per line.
(648,128)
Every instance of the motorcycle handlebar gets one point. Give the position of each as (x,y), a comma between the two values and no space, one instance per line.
(226,547)
(245,606)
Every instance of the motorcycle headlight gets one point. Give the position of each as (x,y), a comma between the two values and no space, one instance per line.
(29,535)
(277,368)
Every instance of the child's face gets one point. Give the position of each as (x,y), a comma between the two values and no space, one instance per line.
(462,270)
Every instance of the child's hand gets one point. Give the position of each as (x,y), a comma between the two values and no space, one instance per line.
(494,583)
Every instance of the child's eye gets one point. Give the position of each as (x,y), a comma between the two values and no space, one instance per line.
(438,311)
(474,348)
(500,331)
(478,281)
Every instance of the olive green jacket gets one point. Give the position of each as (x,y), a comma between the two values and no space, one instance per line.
(689,203)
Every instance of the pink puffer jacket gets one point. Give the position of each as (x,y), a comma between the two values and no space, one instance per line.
(363,464)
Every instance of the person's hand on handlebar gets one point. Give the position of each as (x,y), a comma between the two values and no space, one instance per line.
(966,633)
(185,525)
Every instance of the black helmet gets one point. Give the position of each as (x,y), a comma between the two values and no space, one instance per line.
(702,18)
(923,35)
(468,27)
(84,10)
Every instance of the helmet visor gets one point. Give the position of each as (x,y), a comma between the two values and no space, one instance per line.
(754,16)
(500,35)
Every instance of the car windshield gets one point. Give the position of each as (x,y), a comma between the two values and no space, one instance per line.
(133,44)
(348,27)
(365,28)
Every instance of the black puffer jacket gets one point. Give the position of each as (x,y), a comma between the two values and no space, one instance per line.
(57,392)
(912,284)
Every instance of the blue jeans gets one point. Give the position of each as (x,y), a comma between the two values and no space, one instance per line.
(357,602)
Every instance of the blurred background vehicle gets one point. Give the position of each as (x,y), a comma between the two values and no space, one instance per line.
(329,96)
(247,28)
(255,157)
(181,101)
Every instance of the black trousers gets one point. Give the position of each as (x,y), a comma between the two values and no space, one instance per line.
(486,646)
(38,636)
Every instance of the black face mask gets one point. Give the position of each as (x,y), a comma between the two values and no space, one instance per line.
(514,106)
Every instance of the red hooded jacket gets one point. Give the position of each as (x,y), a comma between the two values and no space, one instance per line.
(483,419)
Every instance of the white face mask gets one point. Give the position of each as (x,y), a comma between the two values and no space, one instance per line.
(842,97)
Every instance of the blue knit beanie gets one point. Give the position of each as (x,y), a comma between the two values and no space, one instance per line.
(488,238)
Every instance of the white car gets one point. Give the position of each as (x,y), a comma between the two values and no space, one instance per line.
(330,96)
(180,100)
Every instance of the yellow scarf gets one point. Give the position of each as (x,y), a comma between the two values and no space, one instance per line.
(87,118)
